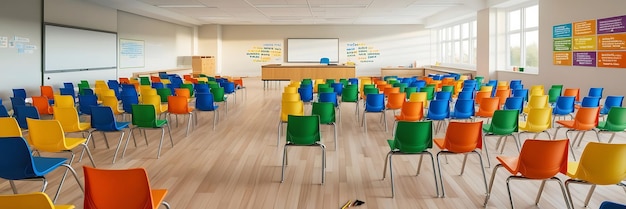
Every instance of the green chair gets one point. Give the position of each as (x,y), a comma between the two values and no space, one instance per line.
(213,84)
(188,86)
(503,124)
(351,94)
(306,81)
(145,117)
(447,88)
(553,94)
(330,81)
(303,131)
(409,90)
(164,93)
(218,96)
(430,92)
(402,86)
(344,81)
(144,81)
(82,86)
(479,82)
(615,122)
(326,112)
(411,138)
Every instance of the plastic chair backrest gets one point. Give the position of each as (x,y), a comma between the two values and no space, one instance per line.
(443,95)
(503,94)
(291,108)
(129,188)
(103,119)
(542,159)
(504,122)
(350,94)
(17,161)
(338,88)
(595,92)
(612,205)
(23,112)
(218,94)
(21,93)
(178,105)
(586,118)
(229,88)
(38,200)
(184,92)
(306,93)
(538,101)
(64,101)
(514,103)
(553,94)
(419,97)
(564,105)
(47,91)
(463,109)
(572,92)
(204,102)
(462,137)
(438,110)
(411,111)
(480,95)
(616,119)
(85,102)
(157,85)
(396,100)
(409,90)
(328,97)
(68,118)
(324,60)
(10,128)
(128,101)
(154,100)
(46,135)
(466,95)
(539,119)
(375,103)
(590,102)
(430,92)
(144,115)
(611,101)
(164,93)
(488,106)
(521,93)
(42,105)
(413,137)
(112,102)
(325,111)
(3,111)
(303,130)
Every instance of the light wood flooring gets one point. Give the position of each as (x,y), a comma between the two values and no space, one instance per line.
(238,165)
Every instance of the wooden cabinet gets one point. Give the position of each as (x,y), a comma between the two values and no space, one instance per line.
(203,65)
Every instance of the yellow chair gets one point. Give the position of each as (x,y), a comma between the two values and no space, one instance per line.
(68,117)
(537,101)
(10,128)
(600,164)
(48,136)
(146,91)
(539,121)
(536,90)
(111,101)
(291,97)
(36,200)
(419,97)
(288,108)
(155,100)
(64,101)
(101,84)
(290,89)
(486,89)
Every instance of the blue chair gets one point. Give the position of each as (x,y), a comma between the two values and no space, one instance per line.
(20,93)
(353,81)
(374,103)
(611,205)
(516,86)
(611,101)
(3,111)
(68,85)
(564,106)
(418,84)
(465,95)
(443,95)
(17,101)
(113,84)
(332,98)
(202,88)
(438,110)
(463,109)
(521,93)
(338,88)
(204,102)
(68,91)
(23,112)
(18,164)
(306,93)
(87,92)
(127,103)
(85,102)
(324,60)
(229,88)
(514,103)
(595,92)
(589,101)
(157,85)
(103,120)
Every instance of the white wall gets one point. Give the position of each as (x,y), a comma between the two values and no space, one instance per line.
(399,45)
(554,12)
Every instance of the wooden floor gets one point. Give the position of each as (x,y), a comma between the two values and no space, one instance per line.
(238,165)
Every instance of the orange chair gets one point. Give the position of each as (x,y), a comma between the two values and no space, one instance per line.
(503,94)
(586,119)
(461,138)
(390,90)
(538,160)
(411,111)
(480,95)
(575,92)
(178,105)
(46,91)
(124,80)
(381,87)
(42,105)
(395,101)
(129,188)
(487,107)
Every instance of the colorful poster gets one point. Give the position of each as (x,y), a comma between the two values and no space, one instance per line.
(587,59)
(614,59)
(584,43)
(562,58)
(266,53)
(612,25)
(562,44)
(583,28)
(4,42)
(612,42)
(562,31)
(361,52)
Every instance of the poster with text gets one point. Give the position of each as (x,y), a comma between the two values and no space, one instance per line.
(612,42)
(612,59)
(562,58)
(269,52)
(587,59)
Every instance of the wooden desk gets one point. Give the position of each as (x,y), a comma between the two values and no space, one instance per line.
(402,72)
(439,70)
(277,72)
(179,71)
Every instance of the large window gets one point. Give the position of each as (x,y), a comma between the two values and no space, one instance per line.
(457,44)
(522,37)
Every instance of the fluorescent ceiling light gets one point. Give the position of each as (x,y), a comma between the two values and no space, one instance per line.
(182,6)
(442,4)
(362,6)
(281,6)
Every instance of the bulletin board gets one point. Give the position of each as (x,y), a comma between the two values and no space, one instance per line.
(132,53)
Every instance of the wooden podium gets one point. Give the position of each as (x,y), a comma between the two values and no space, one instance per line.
(203,65)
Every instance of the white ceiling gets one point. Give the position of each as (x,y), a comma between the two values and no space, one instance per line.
(290,12)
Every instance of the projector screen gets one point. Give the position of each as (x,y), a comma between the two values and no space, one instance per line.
(312,49)
(75,49)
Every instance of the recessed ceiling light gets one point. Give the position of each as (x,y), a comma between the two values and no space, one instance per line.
(340,6)
(182,6)
(281,6)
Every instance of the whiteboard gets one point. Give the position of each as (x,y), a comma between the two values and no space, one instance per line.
(312,49)
(72,49)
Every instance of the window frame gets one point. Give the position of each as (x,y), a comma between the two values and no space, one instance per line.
(450,47)
(522,31)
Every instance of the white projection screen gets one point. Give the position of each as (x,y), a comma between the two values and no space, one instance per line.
(75,49)
(312,49)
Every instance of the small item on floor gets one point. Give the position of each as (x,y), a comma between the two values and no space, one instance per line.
(357,203)
(346,205)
